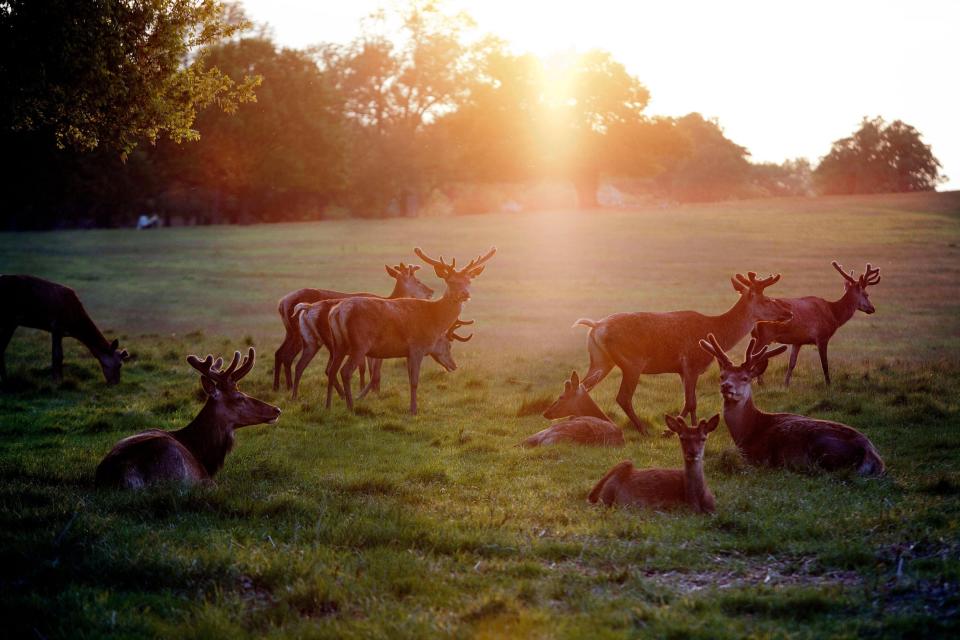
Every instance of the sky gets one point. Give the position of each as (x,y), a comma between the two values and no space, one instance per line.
(784,79)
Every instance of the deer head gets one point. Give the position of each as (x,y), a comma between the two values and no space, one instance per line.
(759,306)
(442,348)
(735,380)
(857,287)
(567,403)
(231,407)
(693,440)
(458,281)
(408,286)
(112,360)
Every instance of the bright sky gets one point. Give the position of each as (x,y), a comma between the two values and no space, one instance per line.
(784,79)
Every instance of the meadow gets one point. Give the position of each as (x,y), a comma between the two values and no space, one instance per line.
(379,524)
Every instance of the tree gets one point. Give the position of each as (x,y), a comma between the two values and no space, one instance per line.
(879,158)
(790,178)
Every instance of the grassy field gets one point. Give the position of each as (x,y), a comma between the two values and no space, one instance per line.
(376,524)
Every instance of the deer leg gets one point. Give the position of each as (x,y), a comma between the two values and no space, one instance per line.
(374,385)
(600,364)
(794,352)
(328,370)
(822,347)
(6,333)
(363,374)
(689,395)
(296,344)
(309,351)
(346,372)
(413,373)
(336,359)
(625,398)
(57,363)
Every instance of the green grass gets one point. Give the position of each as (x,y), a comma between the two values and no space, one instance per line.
(376,524)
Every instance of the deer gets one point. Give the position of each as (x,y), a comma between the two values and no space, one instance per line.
(784,439)
(313,325)
(195,453)
(35,303)
(663,488)
(407,285)
(402,328)
(815,320)
(585,423)
(644,342)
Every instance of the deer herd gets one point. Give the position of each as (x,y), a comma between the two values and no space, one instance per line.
(360,330)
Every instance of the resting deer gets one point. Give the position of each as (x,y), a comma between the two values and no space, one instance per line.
(586,422)
(196,452)
(407,285)
(311,319)
(663,488)
(667,342)
(784,439)
(402,328)
(815,320)
(28,301)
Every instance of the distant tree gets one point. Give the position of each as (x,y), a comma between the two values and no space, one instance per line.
(879,158)
(789,178)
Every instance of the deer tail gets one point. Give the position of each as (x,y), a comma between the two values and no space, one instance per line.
(584,322)
(533,441)
(298,308)
(872,464)
(618,470)
(337,330)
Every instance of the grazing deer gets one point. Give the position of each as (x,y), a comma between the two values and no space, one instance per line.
(313,324)
(667,342)
(663,488)
(815,320)
(402,328)
(27,301)
(196,452)
(784,439)
(586,422)
(407,285)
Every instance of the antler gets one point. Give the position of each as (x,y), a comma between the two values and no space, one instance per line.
(871,276)
(476,265)
(229,376)
(451,332)
(442,268)
(846,276)
(713,348)
(753,358)
(752,281)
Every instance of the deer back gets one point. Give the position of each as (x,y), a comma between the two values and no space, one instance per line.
(385,328)
(585,430)
(652,488)
(148,458)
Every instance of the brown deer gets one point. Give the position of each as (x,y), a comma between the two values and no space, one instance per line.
(667,342)
(784,439)
(663,488)
(815,320)
(402,328)
(407,285)
(311,319)
(28,301)
(196,452)
(586,422)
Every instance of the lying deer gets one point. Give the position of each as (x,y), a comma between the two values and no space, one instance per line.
(586,422)
(407,285)
(784,439)
(815,320)
(196,452)
(663,488)
(402,328)
(311,319)
(667,342)
(27,301)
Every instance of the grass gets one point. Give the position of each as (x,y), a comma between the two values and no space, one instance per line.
(376,524)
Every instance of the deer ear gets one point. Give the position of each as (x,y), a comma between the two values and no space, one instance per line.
(567,387)
(391,271)
(708,426)
(209,386)
(674,424)
(114,345)
(124,355)
(575,379)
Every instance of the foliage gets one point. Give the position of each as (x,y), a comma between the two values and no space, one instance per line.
(789,178)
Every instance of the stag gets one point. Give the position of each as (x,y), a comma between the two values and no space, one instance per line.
(585,423)
(402,328)
(784,439)
(663,488)
(815,320)
(196,452)
(28,301)
(407,285)
(312,319)
(667,342)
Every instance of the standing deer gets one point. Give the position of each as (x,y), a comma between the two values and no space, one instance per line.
(407,285)
(784,439)
(402,328)
(311,319)
(586,422)
(196,452)
(815,320)
(663,488)
(667,342)
(28,301)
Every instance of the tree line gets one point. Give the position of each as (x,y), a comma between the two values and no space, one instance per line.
(181,108)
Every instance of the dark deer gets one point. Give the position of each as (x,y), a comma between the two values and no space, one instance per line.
(27,301)
(402,328)
(407,285)
(195,453)
(815,320)
(311,319)
(784,439)
(663,488)
(586,423)
(667,342)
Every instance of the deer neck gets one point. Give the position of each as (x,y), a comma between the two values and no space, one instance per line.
(588,408)
(84,330)
(398,291)
(694,483)
(445,311)
(742,418)
(207,438)
(844,308)
(734,324)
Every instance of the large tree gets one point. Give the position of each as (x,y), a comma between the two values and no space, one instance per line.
(879,158)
